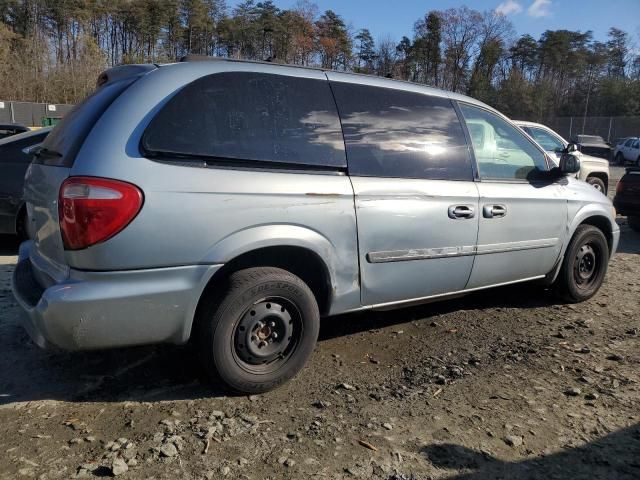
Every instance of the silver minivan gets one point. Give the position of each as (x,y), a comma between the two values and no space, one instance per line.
(234,204)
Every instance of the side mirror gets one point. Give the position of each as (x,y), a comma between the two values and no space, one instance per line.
(572,147)
(569,161)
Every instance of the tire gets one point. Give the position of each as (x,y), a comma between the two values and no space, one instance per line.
(634,223)
(598,184)
(584,266)
(253,357)
(620,159)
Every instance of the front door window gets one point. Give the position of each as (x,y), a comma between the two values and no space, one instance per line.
(502,150)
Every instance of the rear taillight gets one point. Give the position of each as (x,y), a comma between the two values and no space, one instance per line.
(92,210)
(619,187)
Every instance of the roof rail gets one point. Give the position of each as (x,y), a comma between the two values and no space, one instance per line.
(201,58)
(123,71)
(205,58)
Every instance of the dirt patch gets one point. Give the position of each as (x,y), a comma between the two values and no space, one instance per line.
(506,383)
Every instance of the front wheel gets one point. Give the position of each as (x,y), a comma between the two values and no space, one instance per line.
(261,332)
(597,183)
(584,266)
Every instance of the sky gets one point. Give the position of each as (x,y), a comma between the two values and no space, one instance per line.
(396,18)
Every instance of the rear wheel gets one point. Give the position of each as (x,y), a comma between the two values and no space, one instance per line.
(584,266)
(261,332)
(619,159)
(634,223)
(597,183)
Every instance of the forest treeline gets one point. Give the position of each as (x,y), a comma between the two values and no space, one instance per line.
(53,51)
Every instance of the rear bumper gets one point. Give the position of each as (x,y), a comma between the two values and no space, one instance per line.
(92,310)
(627,206)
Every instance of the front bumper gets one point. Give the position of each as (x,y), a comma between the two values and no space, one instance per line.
(92,310)
(616,240)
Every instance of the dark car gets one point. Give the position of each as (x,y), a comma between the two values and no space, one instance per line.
(627,199)
(10,129)
(593,145)
(15,156)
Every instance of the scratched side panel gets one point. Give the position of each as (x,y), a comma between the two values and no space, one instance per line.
(211,215)
(409,246)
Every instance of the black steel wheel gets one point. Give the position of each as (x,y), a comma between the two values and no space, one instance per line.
(267,334)
(584,266)
(260,331)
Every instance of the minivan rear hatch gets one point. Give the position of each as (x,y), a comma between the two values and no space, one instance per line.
(52,164)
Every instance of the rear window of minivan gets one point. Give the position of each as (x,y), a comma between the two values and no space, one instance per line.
(63,143)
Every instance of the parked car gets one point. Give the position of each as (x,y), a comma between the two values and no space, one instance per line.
(9,129)
(627,199)
(593,170)
(235,203)
(593,145)
(628,151)
(15,156)
(616,145)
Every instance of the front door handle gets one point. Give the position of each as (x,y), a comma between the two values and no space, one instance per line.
(462,211)
(494,211)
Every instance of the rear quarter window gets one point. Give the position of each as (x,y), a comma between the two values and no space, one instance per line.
(248,118)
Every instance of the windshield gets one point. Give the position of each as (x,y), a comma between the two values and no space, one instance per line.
(25,135)
(64,142)
(548,141)
(590,138)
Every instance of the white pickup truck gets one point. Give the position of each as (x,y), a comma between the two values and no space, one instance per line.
(593,170)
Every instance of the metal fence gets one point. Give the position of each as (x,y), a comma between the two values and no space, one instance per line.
(32,114)
(609,128)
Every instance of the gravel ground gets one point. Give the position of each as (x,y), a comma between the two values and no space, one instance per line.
(506,383)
